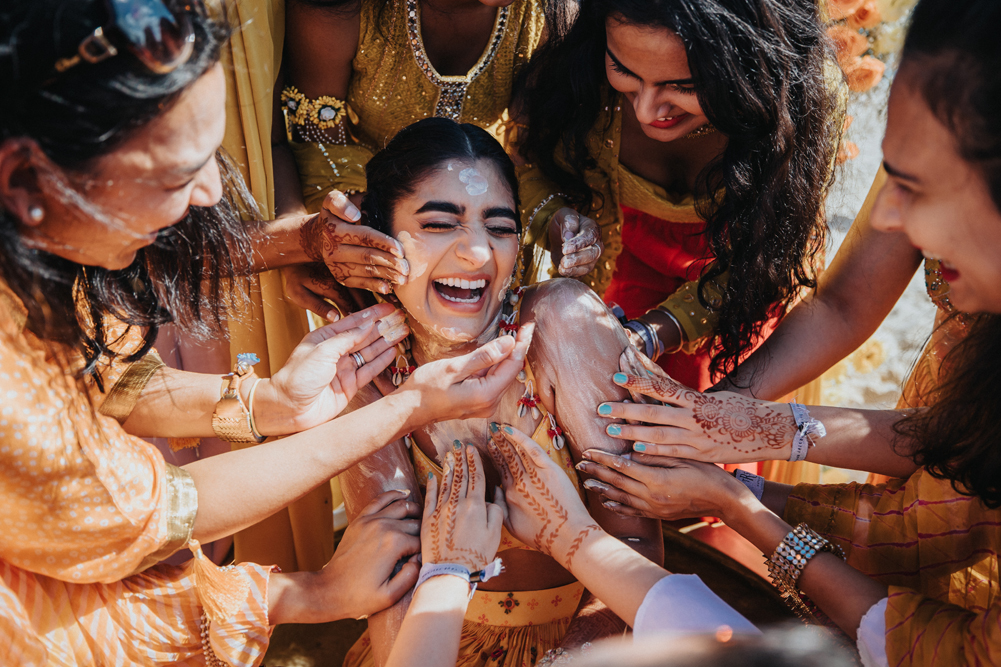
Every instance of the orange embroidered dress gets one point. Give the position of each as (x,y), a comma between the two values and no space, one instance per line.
(86,512)
(937,550)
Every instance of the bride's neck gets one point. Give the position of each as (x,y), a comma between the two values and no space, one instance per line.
(430,343)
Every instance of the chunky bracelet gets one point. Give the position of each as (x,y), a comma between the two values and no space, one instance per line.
(232,421)
(429,570)
(681,332)
(805,427)
(790,557)
(651,341)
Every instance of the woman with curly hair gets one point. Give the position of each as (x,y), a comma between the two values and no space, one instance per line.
(701,137)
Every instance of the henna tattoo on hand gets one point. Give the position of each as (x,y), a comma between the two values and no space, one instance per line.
(316,240)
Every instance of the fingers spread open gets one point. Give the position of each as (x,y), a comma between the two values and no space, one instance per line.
(371,370)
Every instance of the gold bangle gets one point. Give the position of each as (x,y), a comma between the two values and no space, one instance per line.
(250,412)
(231,419)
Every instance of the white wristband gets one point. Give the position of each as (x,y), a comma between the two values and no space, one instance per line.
(429,570)
(755,483)
(805,427)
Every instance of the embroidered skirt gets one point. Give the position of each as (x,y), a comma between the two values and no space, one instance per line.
(513,629)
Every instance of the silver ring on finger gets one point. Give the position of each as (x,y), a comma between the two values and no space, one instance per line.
(359,360)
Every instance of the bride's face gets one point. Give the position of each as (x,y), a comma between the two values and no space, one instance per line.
(459,232)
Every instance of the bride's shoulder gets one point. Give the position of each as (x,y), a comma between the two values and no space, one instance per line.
(562,302)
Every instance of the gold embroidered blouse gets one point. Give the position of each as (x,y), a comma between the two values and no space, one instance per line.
(393,84)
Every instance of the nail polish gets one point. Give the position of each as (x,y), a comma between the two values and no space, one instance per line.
(509,430)
(639,447)
(614,430)
(620,378)
(456,445)
(493,427)
(430,475)
(604,409)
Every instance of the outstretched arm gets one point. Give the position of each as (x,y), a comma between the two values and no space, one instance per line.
(853,297)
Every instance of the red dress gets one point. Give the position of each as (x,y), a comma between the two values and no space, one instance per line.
(659,256)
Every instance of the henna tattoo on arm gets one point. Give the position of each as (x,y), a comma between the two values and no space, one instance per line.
(578,541)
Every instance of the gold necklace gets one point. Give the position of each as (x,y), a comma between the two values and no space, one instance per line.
(703,131)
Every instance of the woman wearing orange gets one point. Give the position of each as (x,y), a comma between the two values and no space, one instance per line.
(110,225)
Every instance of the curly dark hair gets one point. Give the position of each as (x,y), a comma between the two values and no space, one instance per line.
(75,117)
(953,58)
(761,71)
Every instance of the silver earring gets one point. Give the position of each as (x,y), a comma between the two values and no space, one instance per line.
(36,213)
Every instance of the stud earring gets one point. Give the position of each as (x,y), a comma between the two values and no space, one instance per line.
(36,213)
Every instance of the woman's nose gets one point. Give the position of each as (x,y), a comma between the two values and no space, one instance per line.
(474,249)
(208,186)
(647,106)
(886,212)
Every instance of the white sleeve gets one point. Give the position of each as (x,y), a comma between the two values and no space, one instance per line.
(680,604)
(872,636)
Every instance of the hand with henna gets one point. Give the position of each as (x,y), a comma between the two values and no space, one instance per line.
(356,255)
(310,286)
(720,427)
(459,525)
(543,508)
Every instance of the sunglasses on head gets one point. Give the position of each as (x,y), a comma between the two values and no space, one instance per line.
(161,37)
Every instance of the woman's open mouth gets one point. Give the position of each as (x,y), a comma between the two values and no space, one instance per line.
(460,290)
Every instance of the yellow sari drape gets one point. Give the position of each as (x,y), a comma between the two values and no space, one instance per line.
(299,537)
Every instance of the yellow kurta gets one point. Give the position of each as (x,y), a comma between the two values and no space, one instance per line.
(937,550)
(394,85)
(85,507)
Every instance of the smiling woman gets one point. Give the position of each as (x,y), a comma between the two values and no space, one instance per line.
(448,192)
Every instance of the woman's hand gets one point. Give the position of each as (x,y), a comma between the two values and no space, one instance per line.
(321,376)
(721,427)
(543,508)
(470,385)
(459,525)
(359,581)
(660,487)
(578,239)
(309,286)
(356,255)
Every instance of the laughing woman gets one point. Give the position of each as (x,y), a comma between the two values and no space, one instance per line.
(448,193)
(929,543)
(111,224)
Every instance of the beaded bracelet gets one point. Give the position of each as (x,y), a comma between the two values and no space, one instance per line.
(790,557)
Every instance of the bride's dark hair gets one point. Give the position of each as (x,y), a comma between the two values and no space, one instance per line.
(76,117)
(952,58)
(760,70)
(420,149)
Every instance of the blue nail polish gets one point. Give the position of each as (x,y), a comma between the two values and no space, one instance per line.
(614,430)
(604,409)
(493,427)
(639,447)
(620,378)
(456,445)
(509,430)
(430,475)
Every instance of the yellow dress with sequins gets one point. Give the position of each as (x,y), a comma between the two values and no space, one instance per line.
(504,627)
(393,84)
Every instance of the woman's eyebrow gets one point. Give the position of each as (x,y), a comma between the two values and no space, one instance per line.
(442,207)
(628,72)
(500,212)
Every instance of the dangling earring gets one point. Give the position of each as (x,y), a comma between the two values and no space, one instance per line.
(36,213)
